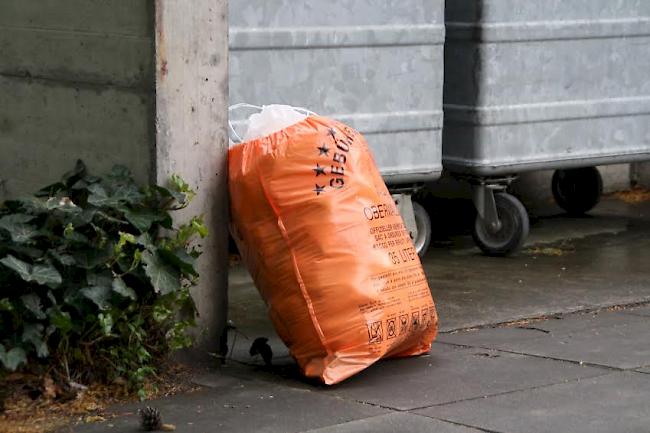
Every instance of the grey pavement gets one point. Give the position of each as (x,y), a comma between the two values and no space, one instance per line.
(574,364)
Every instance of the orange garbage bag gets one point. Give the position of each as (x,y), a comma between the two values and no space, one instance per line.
(328,250)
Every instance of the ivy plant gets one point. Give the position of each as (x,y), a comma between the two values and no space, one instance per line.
(95,278)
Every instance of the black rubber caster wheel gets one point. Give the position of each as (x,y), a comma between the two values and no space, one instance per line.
(577,190)
(511,235)
(423,225)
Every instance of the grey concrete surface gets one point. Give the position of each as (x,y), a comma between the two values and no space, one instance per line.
(396,423)
(640,311)
(553,327)
(191,139)
(624,344)
(76,81)
(244,407)
(448,374)
(617,402)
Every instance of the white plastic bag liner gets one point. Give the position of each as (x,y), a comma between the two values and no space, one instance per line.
(269,119)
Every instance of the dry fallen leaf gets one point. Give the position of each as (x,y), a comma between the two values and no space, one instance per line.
(546,251)
(634,195)
(24,415)
(50,389)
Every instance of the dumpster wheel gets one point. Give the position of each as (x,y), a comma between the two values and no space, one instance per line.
(577,190)
(423,224)
(512,230)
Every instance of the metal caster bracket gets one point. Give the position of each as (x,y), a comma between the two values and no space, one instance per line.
(483,190)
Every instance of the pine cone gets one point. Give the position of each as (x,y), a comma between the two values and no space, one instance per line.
(150,419)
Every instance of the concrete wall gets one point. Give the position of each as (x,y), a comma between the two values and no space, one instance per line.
(137,82)
(76,81)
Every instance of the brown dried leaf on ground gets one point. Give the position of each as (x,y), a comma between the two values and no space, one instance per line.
(634,195)
(43,415)
(546,251)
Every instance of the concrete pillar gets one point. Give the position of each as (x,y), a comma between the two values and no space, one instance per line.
(191,138)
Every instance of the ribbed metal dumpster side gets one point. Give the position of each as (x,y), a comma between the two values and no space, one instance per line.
(374,64)
(551,84)
(545,84)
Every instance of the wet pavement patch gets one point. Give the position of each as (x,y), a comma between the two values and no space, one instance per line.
(639,311)
(396,423)
(250,406)
(616,402)
(451,374)
(611,339)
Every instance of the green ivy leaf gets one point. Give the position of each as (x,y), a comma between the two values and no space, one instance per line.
(104,279)
(33,333)
(6,305)
(120,287)
(146,241)
(30,204)
(42,274)
(100,295)
(180,259)
(13,358)
(75,174)
(164,277)
(125,238)
(32,302)
(64,259)
(16,225)
(128,193)
(76,237)
(167,193)
(99,197)
(142,219)
(21,268)
(46,275)
(50,190)
(199,227)
(178,184)
(89,258)
(84,217)
(60,319)
(119,173)
(31,252)
(106,323)
(161,313)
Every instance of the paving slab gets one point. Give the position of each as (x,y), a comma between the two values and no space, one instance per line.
(245,407)
(396,423)
(639,311)
(501,336)
(625,345)
(451,374)
(616,402)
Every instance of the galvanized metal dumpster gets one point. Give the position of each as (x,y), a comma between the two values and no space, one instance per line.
(551,84)
(376,65)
